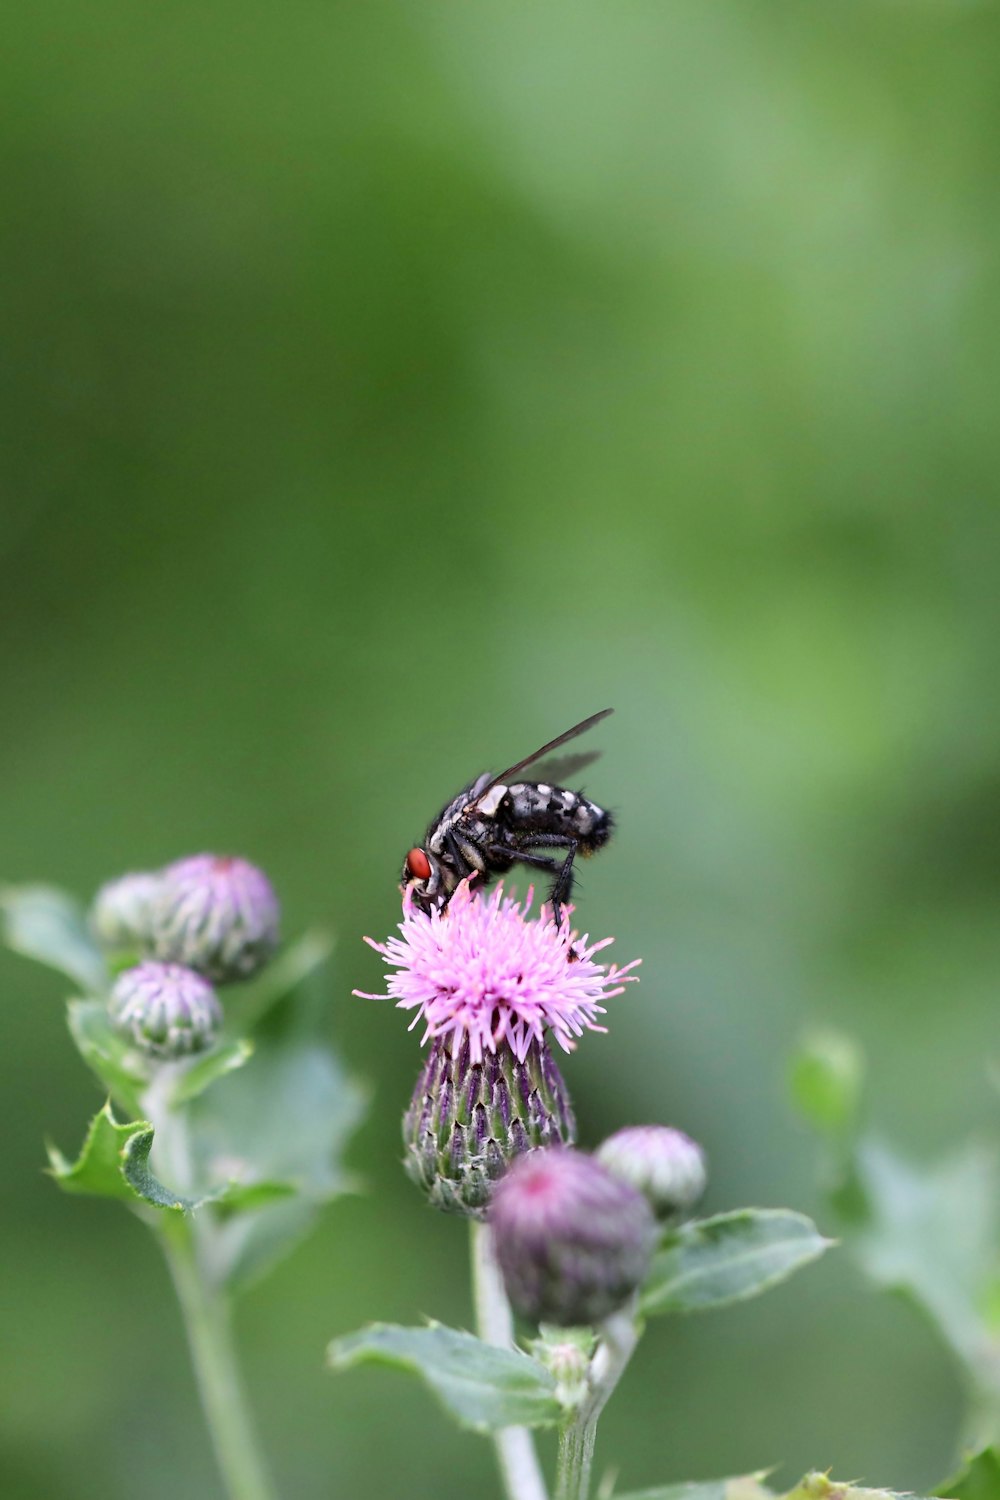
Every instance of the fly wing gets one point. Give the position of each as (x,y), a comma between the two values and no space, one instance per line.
(560,770)
(560,739)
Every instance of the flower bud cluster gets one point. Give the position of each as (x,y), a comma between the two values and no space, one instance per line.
(205,920)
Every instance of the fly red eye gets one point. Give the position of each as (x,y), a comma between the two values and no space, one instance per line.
(418,864)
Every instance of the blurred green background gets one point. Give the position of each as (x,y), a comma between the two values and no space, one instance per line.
(386,387)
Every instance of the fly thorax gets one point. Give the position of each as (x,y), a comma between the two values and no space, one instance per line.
(491,800)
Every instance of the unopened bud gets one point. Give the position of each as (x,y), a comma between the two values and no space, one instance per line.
(122,911)
(166,1010)
(217,915)
(666,1165)
(566,1352)
(467,1121)
(572,1240)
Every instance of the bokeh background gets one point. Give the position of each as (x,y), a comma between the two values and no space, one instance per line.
(386,387)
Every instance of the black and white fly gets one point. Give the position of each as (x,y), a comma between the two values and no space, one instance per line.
(496,822)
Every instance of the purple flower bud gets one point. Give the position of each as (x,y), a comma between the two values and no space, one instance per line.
(572,1241)
(167,1010)
(122,911)
(217,915)
(664,1164)
(467,1121)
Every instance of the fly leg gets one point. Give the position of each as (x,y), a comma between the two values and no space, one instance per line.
(562,886)
(524,857)
(456,865)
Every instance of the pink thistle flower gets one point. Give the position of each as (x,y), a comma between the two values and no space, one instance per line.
(480,970)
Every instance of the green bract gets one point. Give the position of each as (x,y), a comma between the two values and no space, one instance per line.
(468,1121)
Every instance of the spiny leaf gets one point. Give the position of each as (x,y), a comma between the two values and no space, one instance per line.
(483,1387)
(136,1171)
(114,1163)
(711,1262)
(814,1486)
(819,1486)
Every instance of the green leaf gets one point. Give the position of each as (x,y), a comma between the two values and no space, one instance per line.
(117,1065)
(114,1163)
(275,1128)
(483,1387)
(51,926)
(299,976)
(711,1262)
(977,1479)
(932,1233)
(826,1080)
(136,1171)
(814,1486)
(239,1197)
(743,1487)
(198,1074)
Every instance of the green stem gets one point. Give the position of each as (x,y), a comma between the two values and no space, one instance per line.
(619,1337)
(519,1466)
(576,1454)
(209,1329)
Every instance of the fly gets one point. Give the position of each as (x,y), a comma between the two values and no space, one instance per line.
(496,822)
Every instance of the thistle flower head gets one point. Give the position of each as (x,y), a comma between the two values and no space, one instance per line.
(167,1010)
(663,1163)
(468,1121)
(572,1240)
(480,971)
(216,914)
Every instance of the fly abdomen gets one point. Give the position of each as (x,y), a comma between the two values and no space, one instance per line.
(535,807)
